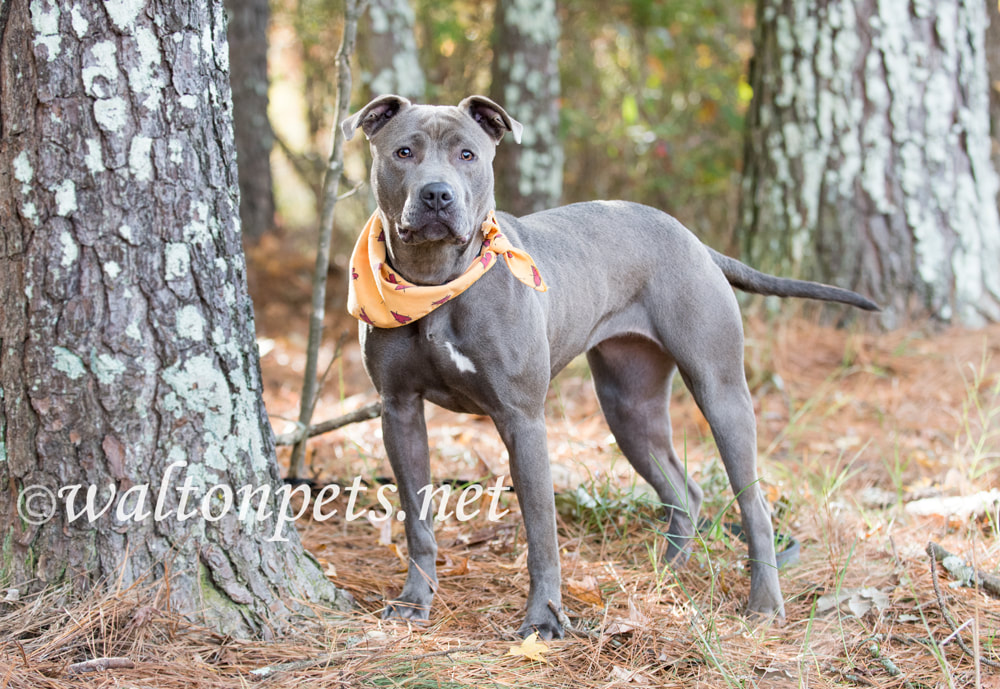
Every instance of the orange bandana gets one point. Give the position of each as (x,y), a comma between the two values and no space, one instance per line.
(380,296)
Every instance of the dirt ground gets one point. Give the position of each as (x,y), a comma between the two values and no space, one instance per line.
(871,446)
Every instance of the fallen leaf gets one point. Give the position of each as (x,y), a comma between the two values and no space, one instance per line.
(531,648)
(329,570)
(858,601)
(586,590)
(635,620)
(621,674)
(456,569)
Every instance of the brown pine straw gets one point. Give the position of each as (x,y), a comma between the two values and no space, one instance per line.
(946,614)
(689,631)
(648,626)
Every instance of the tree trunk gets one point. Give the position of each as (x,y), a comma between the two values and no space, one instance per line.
(389,47)
(867,154)
(526,83)
(126,332)
(254,138)
(993,74)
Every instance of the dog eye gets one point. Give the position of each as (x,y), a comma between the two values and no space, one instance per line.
(404,152)
(468,155)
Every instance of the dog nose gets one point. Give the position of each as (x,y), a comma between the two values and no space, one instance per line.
(437,195)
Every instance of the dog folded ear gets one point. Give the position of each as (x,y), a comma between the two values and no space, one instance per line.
(492,118)
(374,116)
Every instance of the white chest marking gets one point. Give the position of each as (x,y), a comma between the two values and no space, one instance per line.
(462,362)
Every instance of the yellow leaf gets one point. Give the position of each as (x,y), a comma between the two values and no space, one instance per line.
(531,648)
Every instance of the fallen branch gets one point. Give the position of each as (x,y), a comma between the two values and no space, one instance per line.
(337,657)
(100,665)
(987,582)
(369,411)
(890,667)
(946,614)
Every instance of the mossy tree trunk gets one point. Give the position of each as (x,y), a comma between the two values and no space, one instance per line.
(126,331)
(867,154)
(526,83)
(389,46)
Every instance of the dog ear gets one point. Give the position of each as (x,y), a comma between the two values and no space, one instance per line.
(492,118)
(374,116)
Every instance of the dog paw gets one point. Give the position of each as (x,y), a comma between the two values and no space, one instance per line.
(766,611)
(547,629)
(404,610)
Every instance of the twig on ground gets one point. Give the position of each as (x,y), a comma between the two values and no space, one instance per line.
(890,667)
(988,582)
(291,666)
(946,614)
(100,665)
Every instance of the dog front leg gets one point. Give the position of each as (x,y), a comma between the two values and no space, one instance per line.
(405,436)
(526,443)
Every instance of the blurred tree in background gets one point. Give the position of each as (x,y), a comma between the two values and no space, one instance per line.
(526,81)
(389,60)
(993,68)
(651,103)
(247,32)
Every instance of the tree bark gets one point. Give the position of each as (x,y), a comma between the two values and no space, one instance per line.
(392,63)
(993,75)
(126,332)
(867,154)
(526,83)
(254,139)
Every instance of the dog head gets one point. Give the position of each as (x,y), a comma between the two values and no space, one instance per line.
(432,169)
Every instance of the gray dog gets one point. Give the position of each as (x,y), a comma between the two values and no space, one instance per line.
(627,284)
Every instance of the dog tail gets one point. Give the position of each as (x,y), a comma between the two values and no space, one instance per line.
(743,277)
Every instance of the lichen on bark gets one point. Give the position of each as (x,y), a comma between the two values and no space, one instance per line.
(867,158)
(127,336)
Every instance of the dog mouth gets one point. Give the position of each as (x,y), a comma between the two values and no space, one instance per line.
(433,230)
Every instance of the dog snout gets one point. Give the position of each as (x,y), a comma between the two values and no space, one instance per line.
(437,196)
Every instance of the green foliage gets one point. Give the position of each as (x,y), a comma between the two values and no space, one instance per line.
(454,43)
(653,103)
(604,507)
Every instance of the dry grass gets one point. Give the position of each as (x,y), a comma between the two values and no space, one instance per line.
(852,428)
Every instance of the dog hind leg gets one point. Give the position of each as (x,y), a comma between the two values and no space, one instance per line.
(632,376)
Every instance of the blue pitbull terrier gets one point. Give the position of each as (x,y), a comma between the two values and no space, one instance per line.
(627,284)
